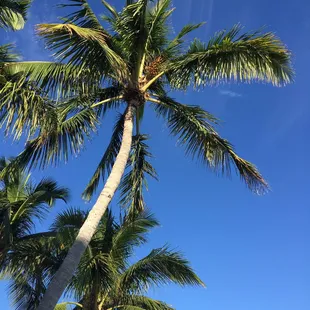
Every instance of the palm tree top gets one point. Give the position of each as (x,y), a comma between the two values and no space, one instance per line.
(130,58)
(106,269)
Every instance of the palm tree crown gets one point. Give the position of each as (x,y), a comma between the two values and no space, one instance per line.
(106,277)
(134,62)
(21,203)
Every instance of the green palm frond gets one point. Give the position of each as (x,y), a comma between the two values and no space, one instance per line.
(137,302)
(28,268)
(67,306)
(231,56)
(69,218)
(13,13)
(161,266)
(175,44)
(63,134)
(23,107)
(131,233)
(107,159)
(83,17)
(134,181)
(83,47)
(56,78)
(156,29)
(193,127)
(6,55)
(131,29)
(110,8)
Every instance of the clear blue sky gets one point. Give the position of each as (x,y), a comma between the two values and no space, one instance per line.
(252,252)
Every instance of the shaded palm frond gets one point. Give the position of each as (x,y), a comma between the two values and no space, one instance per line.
(137,302)
(231,56)
(70,218)
(64,134)
(108,158)
(131,233)
(134,181)
(161,266)
(13,13)
(193,127)
(6,55)
(83,17)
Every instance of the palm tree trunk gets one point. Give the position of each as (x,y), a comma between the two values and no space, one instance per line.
(70,263)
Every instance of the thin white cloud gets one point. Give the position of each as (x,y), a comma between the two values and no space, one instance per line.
(230,93)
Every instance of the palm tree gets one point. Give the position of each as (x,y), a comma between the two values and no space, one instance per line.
(21,203)
(105,278)
(133,64)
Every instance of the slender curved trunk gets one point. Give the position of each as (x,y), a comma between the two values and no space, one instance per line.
(70,263)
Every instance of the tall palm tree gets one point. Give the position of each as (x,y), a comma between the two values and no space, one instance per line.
(132,64)
(21,203)
(106,278)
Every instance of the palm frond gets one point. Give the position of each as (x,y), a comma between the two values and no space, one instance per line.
(193,127)
(13,13)
(161,266)
(6,55)
(66,306)
(131,233)
(175,44)
(107,159)
(132,32)
(134,181)
(83,17)
(83,47)
(69,218)
(55,78)
(231,56)
(22,106)
(137,302)
(64,134)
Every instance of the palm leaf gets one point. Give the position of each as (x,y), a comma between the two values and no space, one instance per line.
(83,17)
(6,55)
(191,125)
(13,13)
(83,47)
(137,302)
(56,78)
(66,306)
(107,160)
(161,266)
(134,181)
(230,56)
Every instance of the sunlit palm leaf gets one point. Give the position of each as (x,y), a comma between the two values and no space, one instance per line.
(13,13)
(56,78)
(83,46)
(231,56)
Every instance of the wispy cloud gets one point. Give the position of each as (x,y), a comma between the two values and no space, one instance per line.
(230,93)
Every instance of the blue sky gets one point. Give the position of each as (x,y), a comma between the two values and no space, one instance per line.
(252,251)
